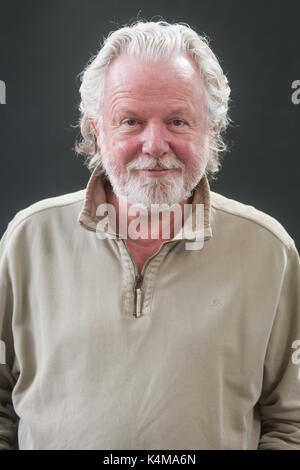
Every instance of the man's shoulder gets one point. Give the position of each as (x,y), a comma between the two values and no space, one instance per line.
(251,215)
(47,208)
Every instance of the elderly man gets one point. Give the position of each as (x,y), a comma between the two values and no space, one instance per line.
(119,339)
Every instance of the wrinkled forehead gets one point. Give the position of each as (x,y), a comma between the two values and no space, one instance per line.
(179,63)
(128,76)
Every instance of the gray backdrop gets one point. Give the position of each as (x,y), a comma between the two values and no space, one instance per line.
(44,45)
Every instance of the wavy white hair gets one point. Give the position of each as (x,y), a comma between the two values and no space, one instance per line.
(152,42)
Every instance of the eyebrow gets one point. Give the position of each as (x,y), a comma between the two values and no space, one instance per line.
(128,111)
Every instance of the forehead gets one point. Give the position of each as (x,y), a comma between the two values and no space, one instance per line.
(176,80)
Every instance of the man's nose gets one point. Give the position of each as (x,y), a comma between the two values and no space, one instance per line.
(154,140)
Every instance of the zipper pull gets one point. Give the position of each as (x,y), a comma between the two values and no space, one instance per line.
(138,295)
(138,303)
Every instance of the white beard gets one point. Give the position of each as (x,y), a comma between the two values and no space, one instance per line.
(148,190)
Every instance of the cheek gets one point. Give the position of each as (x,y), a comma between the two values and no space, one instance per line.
(187,152)
(190,151)
(125,150)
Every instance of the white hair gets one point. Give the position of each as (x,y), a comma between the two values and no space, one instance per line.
(153,42)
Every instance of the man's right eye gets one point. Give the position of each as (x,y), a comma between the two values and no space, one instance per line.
(130,122)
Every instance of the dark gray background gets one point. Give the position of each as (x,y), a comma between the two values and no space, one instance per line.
(45,45)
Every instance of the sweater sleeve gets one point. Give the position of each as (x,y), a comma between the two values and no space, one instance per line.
(8,417)
(279,402)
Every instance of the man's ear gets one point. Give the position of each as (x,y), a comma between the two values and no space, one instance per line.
(94,126)
(211,127)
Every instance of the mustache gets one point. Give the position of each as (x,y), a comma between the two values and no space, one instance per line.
(149,163)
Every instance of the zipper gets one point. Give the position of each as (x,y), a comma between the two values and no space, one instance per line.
(139,278)
(138,295)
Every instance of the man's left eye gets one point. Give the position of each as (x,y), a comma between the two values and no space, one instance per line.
(178,122)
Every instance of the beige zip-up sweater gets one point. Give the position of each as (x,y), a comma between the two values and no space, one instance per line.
(211,360)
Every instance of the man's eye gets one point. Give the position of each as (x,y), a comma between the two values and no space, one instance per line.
(178,122)
(130,122)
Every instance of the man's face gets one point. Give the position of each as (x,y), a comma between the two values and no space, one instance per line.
(154,140)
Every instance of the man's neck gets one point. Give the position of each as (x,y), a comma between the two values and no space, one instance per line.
(156,229)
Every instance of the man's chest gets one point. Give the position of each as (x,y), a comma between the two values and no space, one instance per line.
(181,297)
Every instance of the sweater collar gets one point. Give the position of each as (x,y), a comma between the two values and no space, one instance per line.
(95,195)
